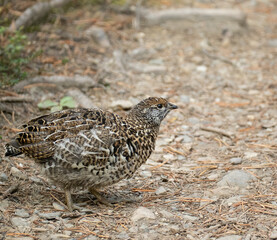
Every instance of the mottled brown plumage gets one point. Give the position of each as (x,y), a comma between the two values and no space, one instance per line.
(91,148)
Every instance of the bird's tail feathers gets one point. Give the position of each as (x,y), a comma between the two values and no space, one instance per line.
(12,150)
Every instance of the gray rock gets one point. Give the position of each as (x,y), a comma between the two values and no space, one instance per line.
(213,176)
(273,234)
(235,161)
(160,190)
(36,180)
(17,173)
(141,213)
(3,177)
(230,201)
(145,173)
(123,235)
(230,237)
(22,213)
(58,206)
(4,204)
(236,178)
(19,222)
(50,215)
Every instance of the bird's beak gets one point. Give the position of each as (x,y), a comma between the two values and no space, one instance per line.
(172,106)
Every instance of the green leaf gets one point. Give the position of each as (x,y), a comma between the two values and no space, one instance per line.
(56,108)
(46,104)
(68,102)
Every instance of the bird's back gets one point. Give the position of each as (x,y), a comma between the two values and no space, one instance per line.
(38,137)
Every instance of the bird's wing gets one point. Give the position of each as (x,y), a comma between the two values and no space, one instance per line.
(89,149)
(37,138)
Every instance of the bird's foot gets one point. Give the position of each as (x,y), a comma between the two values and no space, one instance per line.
(100,198)
(111,201)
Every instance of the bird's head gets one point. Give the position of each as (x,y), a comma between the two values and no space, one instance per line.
(152,110)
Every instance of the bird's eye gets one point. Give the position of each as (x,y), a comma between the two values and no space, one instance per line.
(159,105)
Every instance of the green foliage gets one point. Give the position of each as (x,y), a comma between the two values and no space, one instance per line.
(65,102)
(13,56)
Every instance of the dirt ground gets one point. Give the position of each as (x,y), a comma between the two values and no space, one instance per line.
(223,78)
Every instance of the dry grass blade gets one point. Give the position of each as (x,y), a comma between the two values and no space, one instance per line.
(143,190)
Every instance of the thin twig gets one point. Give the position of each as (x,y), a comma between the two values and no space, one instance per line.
(7,120)
(223,59)
(218,131)
(16,99)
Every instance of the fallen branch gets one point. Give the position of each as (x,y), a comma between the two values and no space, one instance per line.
(157,17)
(16,99)
(77,81)
(36,12)
(218,131)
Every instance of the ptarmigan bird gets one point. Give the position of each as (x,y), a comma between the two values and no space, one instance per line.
(91,148)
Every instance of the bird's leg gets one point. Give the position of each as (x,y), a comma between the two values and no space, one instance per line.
(68,199)
(99,197)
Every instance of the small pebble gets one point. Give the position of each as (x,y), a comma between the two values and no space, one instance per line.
(273,234)
(160,190)
(145,173)
(18,221)
(21,213)
(236,178)
(142,212)
(17,173)
(3,177)
(235,161)
(249,155)
(58,206)
(201,68)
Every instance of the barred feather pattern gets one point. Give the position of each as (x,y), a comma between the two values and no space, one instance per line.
(91,147)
